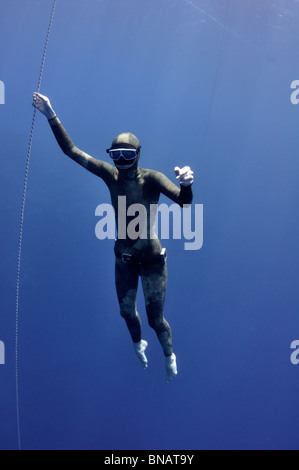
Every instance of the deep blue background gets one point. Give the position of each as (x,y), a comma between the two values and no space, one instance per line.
(200,82)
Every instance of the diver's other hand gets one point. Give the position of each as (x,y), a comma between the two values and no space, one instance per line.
(184,175)
(42,103)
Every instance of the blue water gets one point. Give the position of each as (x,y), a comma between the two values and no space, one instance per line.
(204,83)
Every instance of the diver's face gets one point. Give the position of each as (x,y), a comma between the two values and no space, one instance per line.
(123,164)
(124,158)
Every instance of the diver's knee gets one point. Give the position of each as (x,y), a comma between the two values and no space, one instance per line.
(156,324)
(127,313)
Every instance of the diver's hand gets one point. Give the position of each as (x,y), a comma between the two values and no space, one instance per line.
(42,103)
(184,175)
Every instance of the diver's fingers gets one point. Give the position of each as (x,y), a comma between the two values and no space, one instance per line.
(180,172)
(188,179)
(188,174)
(185,170)
(184,175)
(37,96)
(39,103)
(177,171)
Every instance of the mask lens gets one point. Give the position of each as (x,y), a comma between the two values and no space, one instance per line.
(115,154)
(129,154)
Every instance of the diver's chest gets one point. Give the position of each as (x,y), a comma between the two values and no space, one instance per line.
(135,192)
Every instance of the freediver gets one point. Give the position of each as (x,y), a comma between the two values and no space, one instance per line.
(134,257)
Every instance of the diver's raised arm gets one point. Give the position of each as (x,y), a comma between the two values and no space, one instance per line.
(98,167)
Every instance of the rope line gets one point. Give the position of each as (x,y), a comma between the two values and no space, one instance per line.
(215,82)
(21,229)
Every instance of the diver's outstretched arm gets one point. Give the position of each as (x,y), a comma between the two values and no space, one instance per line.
(98,167)
(183,195)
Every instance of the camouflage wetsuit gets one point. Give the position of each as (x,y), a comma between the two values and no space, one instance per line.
(142,187)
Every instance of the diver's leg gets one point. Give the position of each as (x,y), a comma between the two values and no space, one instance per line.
(171,367)
(140,351)
(154,282)
(126,281)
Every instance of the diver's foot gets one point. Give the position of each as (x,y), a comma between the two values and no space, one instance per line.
(139,349)
(171,367)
